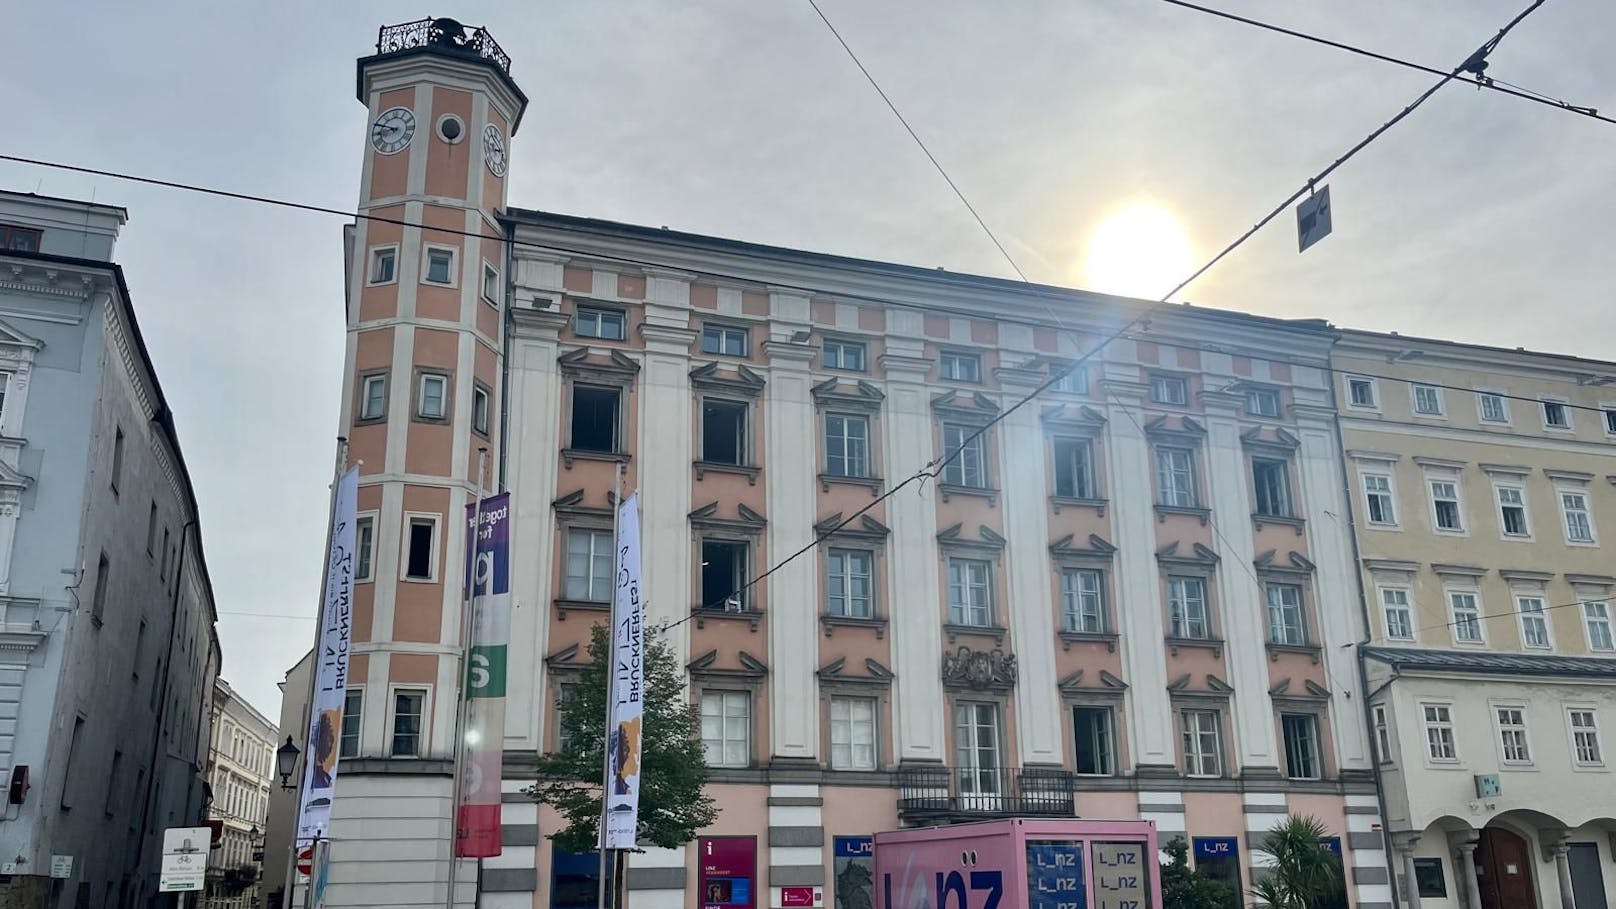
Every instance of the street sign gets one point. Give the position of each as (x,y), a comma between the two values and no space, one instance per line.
(1313,219)
(185,858)
(1488,786)
(62,866)
(305,861)
(806,897)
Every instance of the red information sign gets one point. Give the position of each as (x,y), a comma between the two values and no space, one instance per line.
(800,896)
(727,872)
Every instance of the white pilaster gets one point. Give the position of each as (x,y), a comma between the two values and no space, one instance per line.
(664,480)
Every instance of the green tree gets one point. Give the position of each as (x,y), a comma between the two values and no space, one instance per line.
(673,770)
(1304,874)
(1184,887)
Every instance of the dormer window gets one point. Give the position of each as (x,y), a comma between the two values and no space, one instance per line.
(14,238)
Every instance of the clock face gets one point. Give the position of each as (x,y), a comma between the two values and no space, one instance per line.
(494,150)
(392,131)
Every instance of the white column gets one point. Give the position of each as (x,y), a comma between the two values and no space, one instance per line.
(794,588)
(664,480)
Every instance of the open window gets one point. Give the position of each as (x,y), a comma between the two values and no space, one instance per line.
(724,575)
(594,418)
(723,432)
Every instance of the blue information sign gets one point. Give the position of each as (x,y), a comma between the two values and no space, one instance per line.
(855,846)
(1332,845)
(1216,846)
(1055,875)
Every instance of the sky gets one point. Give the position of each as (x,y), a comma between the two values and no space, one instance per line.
(1479,218)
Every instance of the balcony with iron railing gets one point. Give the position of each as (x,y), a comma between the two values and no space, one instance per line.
(442,35)
(974,793)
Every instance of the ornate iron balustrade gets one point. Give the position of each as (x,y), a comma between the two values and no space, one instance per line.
(447,34)
(966,792)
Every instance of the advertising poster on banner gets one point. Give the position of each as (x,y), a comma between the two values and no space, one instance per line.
(330,667)
(728,867)
(488,531)
(854,869)
(628,705)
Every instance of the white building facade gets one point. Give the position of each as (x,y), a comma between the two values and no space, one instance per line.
(240,776)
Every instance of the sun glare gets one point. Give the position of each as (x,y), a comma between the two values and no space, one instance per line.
(1141,251)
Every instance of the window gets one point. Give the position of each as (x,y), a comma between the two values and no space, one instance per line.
(1285,615)
(19,239)
(67,766)
(976,748)
(592,322)
(848,585)
(168,557)
(1383,735)
(565,692)
(723,575)
(112,783)
(1074,471)
(1439,733)
(479,410)
(407,722)
(5,387)
(1399,614)
(970,600)
(1596,615)
(723,431)
(960,367)
(439,265)
(490,283)
(1585,737)
(117,458)
(1203,750)
(1610,421)
(1378,499)
(1492,408)
(151,530)
(1579,523)
(726,340)
(1428,400)
(365,546)
(353,704)
(383,264)
(1445,505)
(1512,734)
(1271,483)
(421,552)
(1534,622)
(140,651)
(373,397)
(726,727)
(1175,477)
(589,566)
(1169,390)
(594,418)
(1083,601)
(1186,602)
(432,398)
(1361,392)
(98,603)
(1091,731)
(1512,511)
(847,445)
(967,465)
(1262,402)
(1466,616)
(852,734)
(1074,381)
(1302,758)
(848,355)
(1556,415)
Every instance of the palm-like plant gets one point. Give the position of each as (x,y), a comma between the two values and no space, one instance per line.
(1304,874)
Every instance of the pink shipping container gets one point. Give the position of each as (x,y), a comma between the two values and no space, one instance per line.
(1019,864)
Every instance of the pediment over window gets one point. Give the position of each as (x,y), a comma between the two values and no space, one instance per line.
(859,396)
(865,526)
(1199,556)
(742,381)
(1079,418)
(11,337)
(986,538)
(1098,546)
(1103,682)
(967,406)
(565,658)
(1273,440)
(1183,430)
(572,504)
(746,666)
(1294,562)
(875,673)
(1214,687)
(613,369)
(1311,691)
(746,520)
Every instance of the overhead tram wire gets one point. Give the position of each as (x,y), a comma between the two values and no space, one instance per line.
(1487,82)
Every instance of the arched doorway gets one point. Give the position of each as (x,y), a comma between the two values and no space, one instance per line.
(1504,870)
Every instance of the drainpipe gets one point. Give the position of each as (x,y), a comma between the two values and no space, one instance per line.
(505,348)
(162,697)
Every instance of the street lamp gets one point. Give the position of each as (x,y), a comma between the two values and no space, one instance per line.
(286,762)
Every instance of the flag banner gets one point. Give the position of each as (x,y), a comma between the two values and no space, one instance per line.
(627,707)
(477,816)
(330,667)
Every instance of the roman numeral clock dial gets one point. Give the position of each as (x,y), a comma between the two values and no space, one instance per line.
(494,150)
(392,131)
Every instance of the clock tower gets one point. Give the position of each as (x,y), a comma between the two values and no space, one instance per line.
(420,404)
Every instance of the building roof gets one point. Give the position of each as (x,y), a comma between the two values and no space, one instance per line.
(1461,661)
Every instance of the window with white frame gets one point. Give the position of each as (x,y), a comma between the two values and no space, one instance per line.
(967,464)
(1169,390)
(1271,487)
(1083,601)
(373,396)
(1175,477)
(1492,408)
(490,288)
(1186,603)
(1399,613)
(1579,522)
(956,366)
(409,706)
(480,406)
(1534,622)
(353,704)
(383,265)
(1095,741)
(1074,469)
(1262,402)
(848,584)
(1439,742)
(1428,400)
(1445,507)
(970,598)
(364,547)
(1585,745)
(1512,734)
(439,267)
(1378,499)
(432,396)
(420,548)
(1466,610)
(565,693)
(1203,745)
(726,728)
(1074,382)
(852,733)
(847,445)
(844,355)
(726,340)
(1556,415)
(599,322)
(977,756)
(1383,735)
(1285,624)
(1361,392)
(1512,511)
(589,565)
(1303,760)
(1596,616)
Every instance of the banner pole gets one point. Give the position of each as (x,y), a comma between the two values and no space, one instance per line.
(606,741)
(468,622)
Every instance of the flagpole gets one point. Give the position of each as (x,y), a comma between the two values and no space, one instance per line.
(611,631)
(468,622)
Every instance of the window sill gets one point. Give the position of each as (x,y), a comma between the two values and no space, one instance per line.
(1068,638)
(873,484)
(751,473)
(371,421)
(1059,502)
(1162,511)
(563,606)
(751,616)
(1296,524)
(996,632)
(949,490)
(1275,649)
(568,455)
(832,622)
(1213,644)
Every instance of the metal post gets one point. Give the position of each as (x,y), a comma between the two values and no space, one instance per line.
(468,623)
(606,742)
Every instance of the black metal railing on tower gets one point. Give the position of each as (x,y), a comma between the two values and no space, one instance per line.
(444,35)
(941,792)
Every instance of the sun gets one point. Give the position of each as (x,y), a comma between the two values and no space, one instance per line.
(1141,251)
